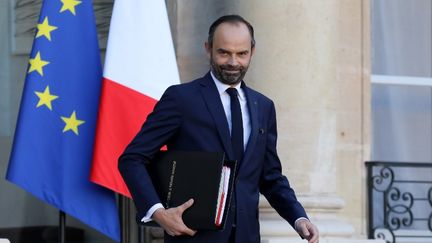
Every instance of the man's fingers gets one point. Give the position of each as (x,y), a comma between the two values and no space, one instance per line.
(183,230)
(186,205)
(307,230)
(304,231)
(189,231)
(314,234)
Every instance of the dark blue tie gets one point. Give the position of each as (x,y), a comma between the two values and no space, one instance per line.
(236,125)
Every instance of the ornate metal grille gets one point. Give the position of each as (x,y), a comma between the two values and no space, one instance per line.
(400,201)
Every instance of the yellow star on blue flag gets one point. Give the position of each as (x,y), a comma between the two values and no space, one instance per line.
(69,5)
(53,144)
(37,64)
(72,123)
(45,29)
(45,98)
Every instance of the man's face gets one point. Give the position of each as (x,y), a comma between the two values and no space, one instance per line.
(231,52)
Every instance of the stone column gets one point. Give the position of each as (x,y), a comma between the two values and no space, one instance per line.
(313,59)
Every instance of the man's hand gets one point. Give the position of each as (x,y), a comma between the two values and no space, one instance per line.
(307,230)
(171,219)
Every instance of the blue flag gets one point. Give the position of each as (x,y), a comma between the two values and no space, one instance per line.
(53,145)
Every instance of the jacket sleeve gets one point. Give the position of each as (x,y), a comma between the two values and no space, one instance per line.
(273,184)
(160,126)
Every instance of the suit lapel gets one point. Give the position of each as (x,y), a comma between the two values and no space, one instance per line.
(212,99)
(252,103)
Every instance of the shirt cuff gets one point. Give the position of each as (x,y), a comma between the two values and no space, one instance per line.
(149,214)
(295,223)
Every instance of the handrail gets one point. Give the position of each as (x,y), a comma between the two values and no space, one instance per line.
(397,192)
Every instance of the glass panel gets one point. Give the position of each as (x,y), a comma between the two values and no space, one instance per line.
(401,37)
(401,123)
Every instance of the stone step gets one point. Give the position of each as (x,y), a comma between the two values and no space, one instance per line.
(321,240)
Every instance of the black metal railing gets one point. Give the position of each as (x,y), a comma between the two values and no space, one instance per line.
(400,201)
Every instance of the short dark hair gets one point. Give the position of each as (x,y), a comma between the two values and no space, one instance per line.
(233,19)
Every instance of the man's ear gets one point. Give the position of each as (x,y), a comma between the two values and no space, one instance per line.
(208,49)
(252,50)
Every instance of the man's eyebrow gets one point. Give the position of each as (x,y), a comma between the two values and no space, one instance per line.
(222,50)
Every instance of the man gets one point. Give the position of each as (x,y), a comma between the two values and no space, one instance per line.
(217,112)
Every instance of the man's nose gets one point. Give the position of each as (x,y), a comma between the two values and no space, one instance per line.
(233,60)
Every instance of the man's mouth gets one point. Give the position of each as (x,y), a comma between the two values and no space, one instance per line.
(231,71)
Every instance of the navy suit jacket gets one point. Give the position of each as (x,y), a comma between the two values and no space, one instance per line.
(191,117)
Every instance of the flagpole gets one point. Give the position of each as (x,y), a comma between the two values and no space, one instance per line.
(124,219)
(141,234)
(62,223)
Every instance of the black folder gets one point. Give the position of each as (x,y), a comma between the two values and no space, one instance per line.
(180,175)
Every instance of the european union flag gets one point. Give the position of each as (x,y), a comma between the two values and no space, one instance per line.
(53,144)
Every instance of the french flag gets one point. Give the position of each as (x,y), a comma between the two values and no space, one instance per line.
(140,64)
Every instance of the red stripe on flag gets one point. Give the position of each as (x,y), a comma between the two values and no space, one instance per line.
(122,112)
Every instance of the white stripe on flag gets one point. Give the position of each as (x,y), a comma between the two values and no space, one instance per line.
(140,52)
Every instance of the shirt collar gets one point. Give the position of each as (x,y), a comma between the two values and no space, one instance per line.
(221,87)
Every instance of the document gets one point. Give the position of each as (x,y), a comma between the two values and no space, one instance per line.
(222,195)
(204,176)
